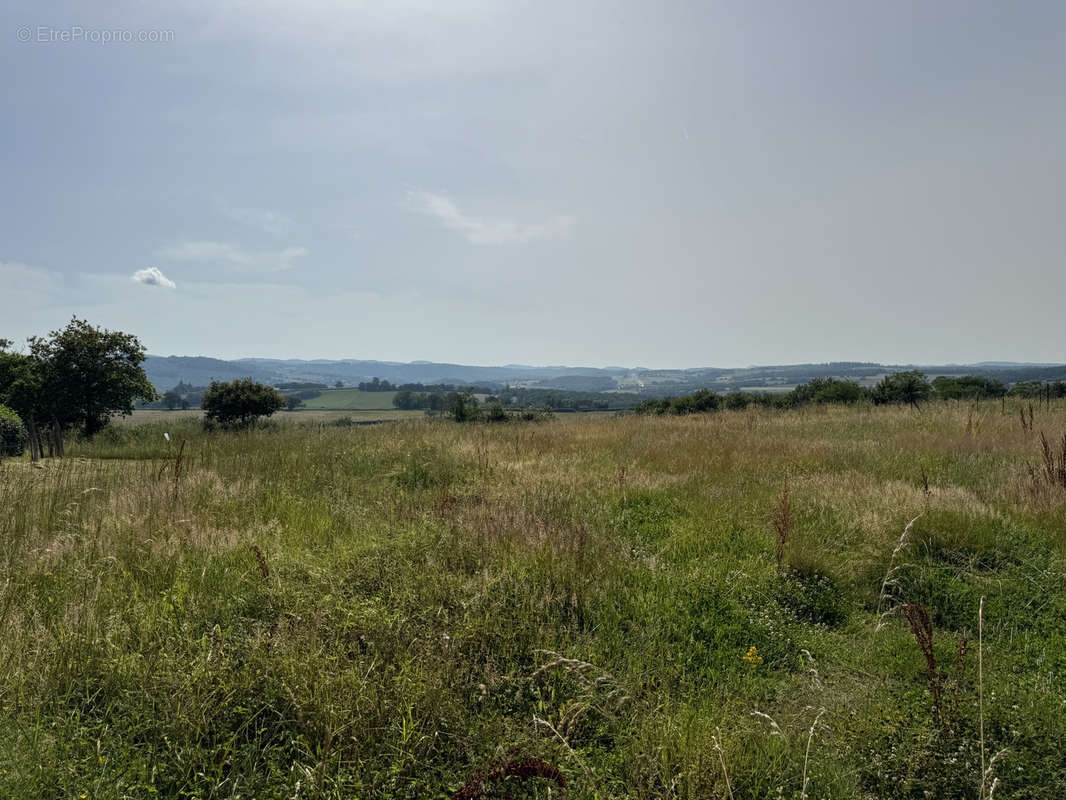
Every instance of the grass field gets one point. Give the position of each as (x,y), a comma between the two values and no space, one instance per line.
(351,399)
(428,609)
(143,416)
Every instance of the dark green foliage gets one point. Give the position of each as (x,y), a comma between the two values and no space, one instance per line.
(812,596)
(702,400)
(13,435)
(88,374)
(461,406)
(495,412)
(77,377)
(1033,389)
(239,403)
(827,390)
(967,387)
(737,401)
(909,388)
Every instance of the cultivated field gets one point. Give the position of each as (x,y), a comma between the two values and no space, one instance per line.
(427,609)
(351,399)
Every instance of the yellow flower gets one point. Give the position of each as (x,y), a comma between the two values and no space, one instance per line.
(752,656)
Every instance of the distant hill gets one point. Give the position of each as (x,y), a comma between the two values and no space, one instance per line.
(168,371)
(165,372)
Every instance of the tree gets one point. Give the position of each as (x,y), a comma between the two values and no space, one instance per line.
(909,387)
(75,378)
(239,403)
(293,402)
(827,390)
(13,436)
(90,373)
(171,399)
(21,390)
(967,386)
(461,405)
(338,385)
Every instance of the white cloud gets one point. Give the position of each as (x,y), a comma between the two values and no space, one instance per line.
(481,230)
(221,252)
(153,277)
(259,218)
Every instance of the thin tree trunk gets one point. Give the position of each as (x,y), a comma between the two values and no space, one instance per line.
(34,443)
(57,436)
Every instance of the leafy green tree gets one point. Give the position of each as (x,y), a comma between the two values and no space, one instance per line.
(1027,389)
(77,377)
(737,401)
(171,399)
(239,403)
(19,381)
(967,386)
(826,390)
(293,402)
(13,436)
(495,412)
(462,406)
(909,387)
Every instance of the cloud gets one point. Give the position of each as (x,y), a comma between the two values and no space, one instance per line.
(221,252)
(258,218)
(480,230)
(153,277)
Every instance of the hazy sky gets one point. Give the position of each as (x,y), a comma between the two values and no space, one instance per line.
(632,183)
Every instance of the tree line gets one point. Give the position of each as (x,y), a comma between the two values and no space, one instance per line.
(910,387)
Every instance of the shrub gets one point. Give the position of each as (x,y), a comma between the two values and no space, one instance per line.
(13,437)
(496,413)
(737,401)
(239,403)
(909,387)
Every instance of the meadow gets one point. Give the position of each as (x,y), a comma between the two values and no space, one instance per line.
(829,602)
(351,399)
(168,419)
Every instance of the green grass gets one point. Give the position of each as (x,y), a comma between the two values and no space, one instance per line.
(351,399)
(434,599)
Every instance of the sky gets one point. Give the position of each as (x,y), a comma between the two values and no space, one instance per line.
(671,184)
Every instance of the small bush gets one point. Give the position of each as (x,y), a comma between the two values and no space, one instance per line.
(496,413)
(13,436)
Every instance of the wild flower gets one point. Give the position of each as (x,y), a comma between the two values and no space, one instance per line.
(752,656)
